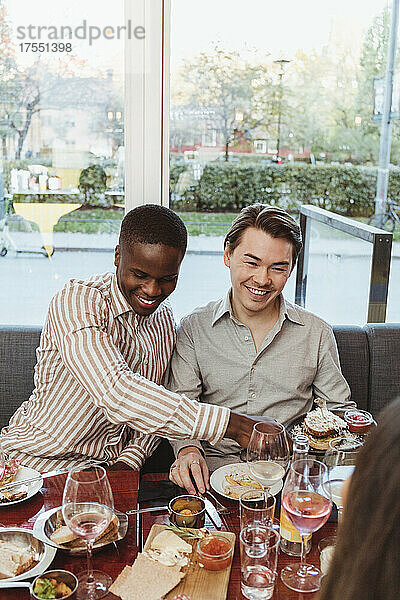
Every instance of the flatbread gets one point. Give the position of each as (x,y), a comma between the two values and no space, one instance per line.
(146,579)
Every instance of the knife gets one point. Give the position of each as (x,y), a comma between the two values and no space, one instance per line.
(20,482)
(212,513)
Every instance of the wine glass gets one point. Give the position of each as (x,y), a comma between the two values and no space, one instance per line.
(88,508)
(268,453)
(340,459)
(307,506)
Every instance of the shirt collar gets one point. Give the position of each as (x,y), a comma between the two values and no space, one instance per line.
(222,307)
(287,310)
(118,302)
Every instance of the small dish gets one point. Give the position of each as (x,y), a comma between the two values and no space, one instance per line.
(358,421)
(61,576)
(214,552)
(187,511)
(43,553)
(47,522)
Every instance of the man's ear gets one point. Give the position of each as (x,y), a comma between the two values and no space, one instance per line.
(117,256)
(227,255)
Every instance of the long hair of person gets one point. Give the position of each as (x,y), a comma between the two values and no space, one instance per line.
(366,561)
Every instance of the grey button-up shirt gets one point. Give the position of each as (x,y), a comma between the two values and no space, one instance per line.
(215,361)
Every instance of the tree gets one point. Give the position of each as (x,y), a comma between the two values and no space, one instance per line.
(221,83)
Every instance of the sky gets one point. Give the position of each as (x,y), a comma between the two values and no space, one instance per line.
(270,26)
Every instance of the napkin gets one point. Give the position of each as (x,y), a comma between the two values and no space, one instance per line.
(158,493)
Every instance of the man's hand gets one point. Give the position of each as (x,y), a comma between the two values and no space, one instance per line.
(190,461)
(241,426)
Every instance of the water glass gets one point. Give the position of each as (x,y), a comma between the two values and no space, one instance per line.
(259,545)
(256,506)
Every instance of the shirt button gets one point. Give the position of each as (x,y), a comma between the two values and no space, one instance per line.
(253,395)
(145,361)
(246,338)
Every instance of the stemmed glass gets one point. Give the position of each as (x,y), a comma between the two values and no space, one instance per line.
(340,459)
(268,453)
(88,510)
(307,506)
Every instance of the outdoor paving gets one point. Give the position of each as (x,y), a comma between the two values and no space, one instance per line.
(337,283)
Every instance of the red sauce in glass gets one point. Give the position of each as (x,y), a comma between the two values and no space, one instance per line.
(358,421)
(215,554)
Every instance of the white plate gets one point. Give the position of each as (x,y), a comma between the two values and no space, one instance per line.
(217,479)
(33,488)
(25,537)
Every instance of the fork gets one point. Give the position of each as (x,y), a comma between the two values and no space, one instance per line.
(220,508)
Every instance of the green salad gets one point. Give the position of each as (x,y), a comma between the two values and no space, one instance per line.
(50,588)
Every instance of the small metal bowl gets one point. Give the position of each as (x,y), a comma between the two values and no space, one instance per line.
(62,577)
(193,503)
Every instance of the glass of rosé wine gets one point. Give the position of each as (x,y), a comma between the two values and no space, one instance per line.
(307,505)
(88,509)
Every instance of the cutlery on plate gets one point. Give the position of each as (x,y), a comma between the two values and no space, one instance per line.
(20,482)
(139,511)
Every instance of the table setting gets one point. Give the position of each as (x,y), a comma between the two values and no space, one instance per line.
(95,533)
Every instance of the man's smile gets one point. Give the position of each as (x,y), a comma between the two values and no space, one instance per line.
(257,292)
(148,303)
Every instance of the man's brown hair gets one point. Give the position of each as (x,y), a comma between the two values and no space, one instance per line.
(273,220)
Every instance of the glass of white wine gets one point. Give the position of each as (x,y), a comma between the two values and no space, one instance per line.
(268,454)
(88,509)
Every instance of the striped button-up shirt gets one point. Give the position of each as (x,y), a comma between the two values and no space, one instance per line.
(97,384)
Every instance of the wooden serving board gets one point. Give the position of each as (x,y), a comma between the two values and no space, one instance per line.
(198,583)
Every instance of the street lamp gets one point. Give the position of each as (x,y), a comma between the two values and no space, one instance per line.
(282,62)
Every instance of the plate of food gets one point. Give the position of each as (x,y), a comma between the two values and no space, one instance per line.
(51,529)
(179,562)
(321,425)
(22,556)
(13,473)
(233,480)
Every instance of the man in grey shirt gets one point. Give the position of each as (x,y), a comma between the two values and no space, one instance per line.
(252,350)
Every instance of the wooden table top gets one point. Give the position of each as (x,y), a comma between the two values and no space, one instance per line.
(114,557)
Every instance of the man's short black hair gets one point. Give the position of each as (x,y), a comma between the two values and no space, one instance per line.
(153,224)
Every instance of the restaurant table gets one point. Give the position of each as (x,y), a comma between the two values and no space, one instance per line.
(111,559)
(231,523)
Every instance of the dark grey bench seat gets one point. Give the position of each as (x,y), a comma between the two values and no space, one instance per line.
(369,356)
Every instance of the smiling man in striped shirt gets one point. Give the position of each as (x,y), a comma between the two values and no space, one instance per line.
(104,349)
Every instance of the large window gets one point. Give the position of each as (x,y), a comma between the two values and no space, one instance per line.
(274,103)
(62,143)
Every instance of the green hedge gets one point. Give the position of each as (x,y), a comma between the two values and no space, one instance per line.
(346,190)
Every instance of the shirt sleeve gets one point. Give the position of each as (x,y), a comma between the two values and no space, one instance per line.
(329,382)
(79,322)
(139,448)
(184,375)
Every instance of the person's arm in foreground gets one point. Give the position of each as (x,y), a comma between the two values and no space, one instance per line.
(79,326)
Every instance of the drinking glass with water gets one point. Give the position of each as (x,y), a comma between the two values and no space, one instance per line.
(259,546)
